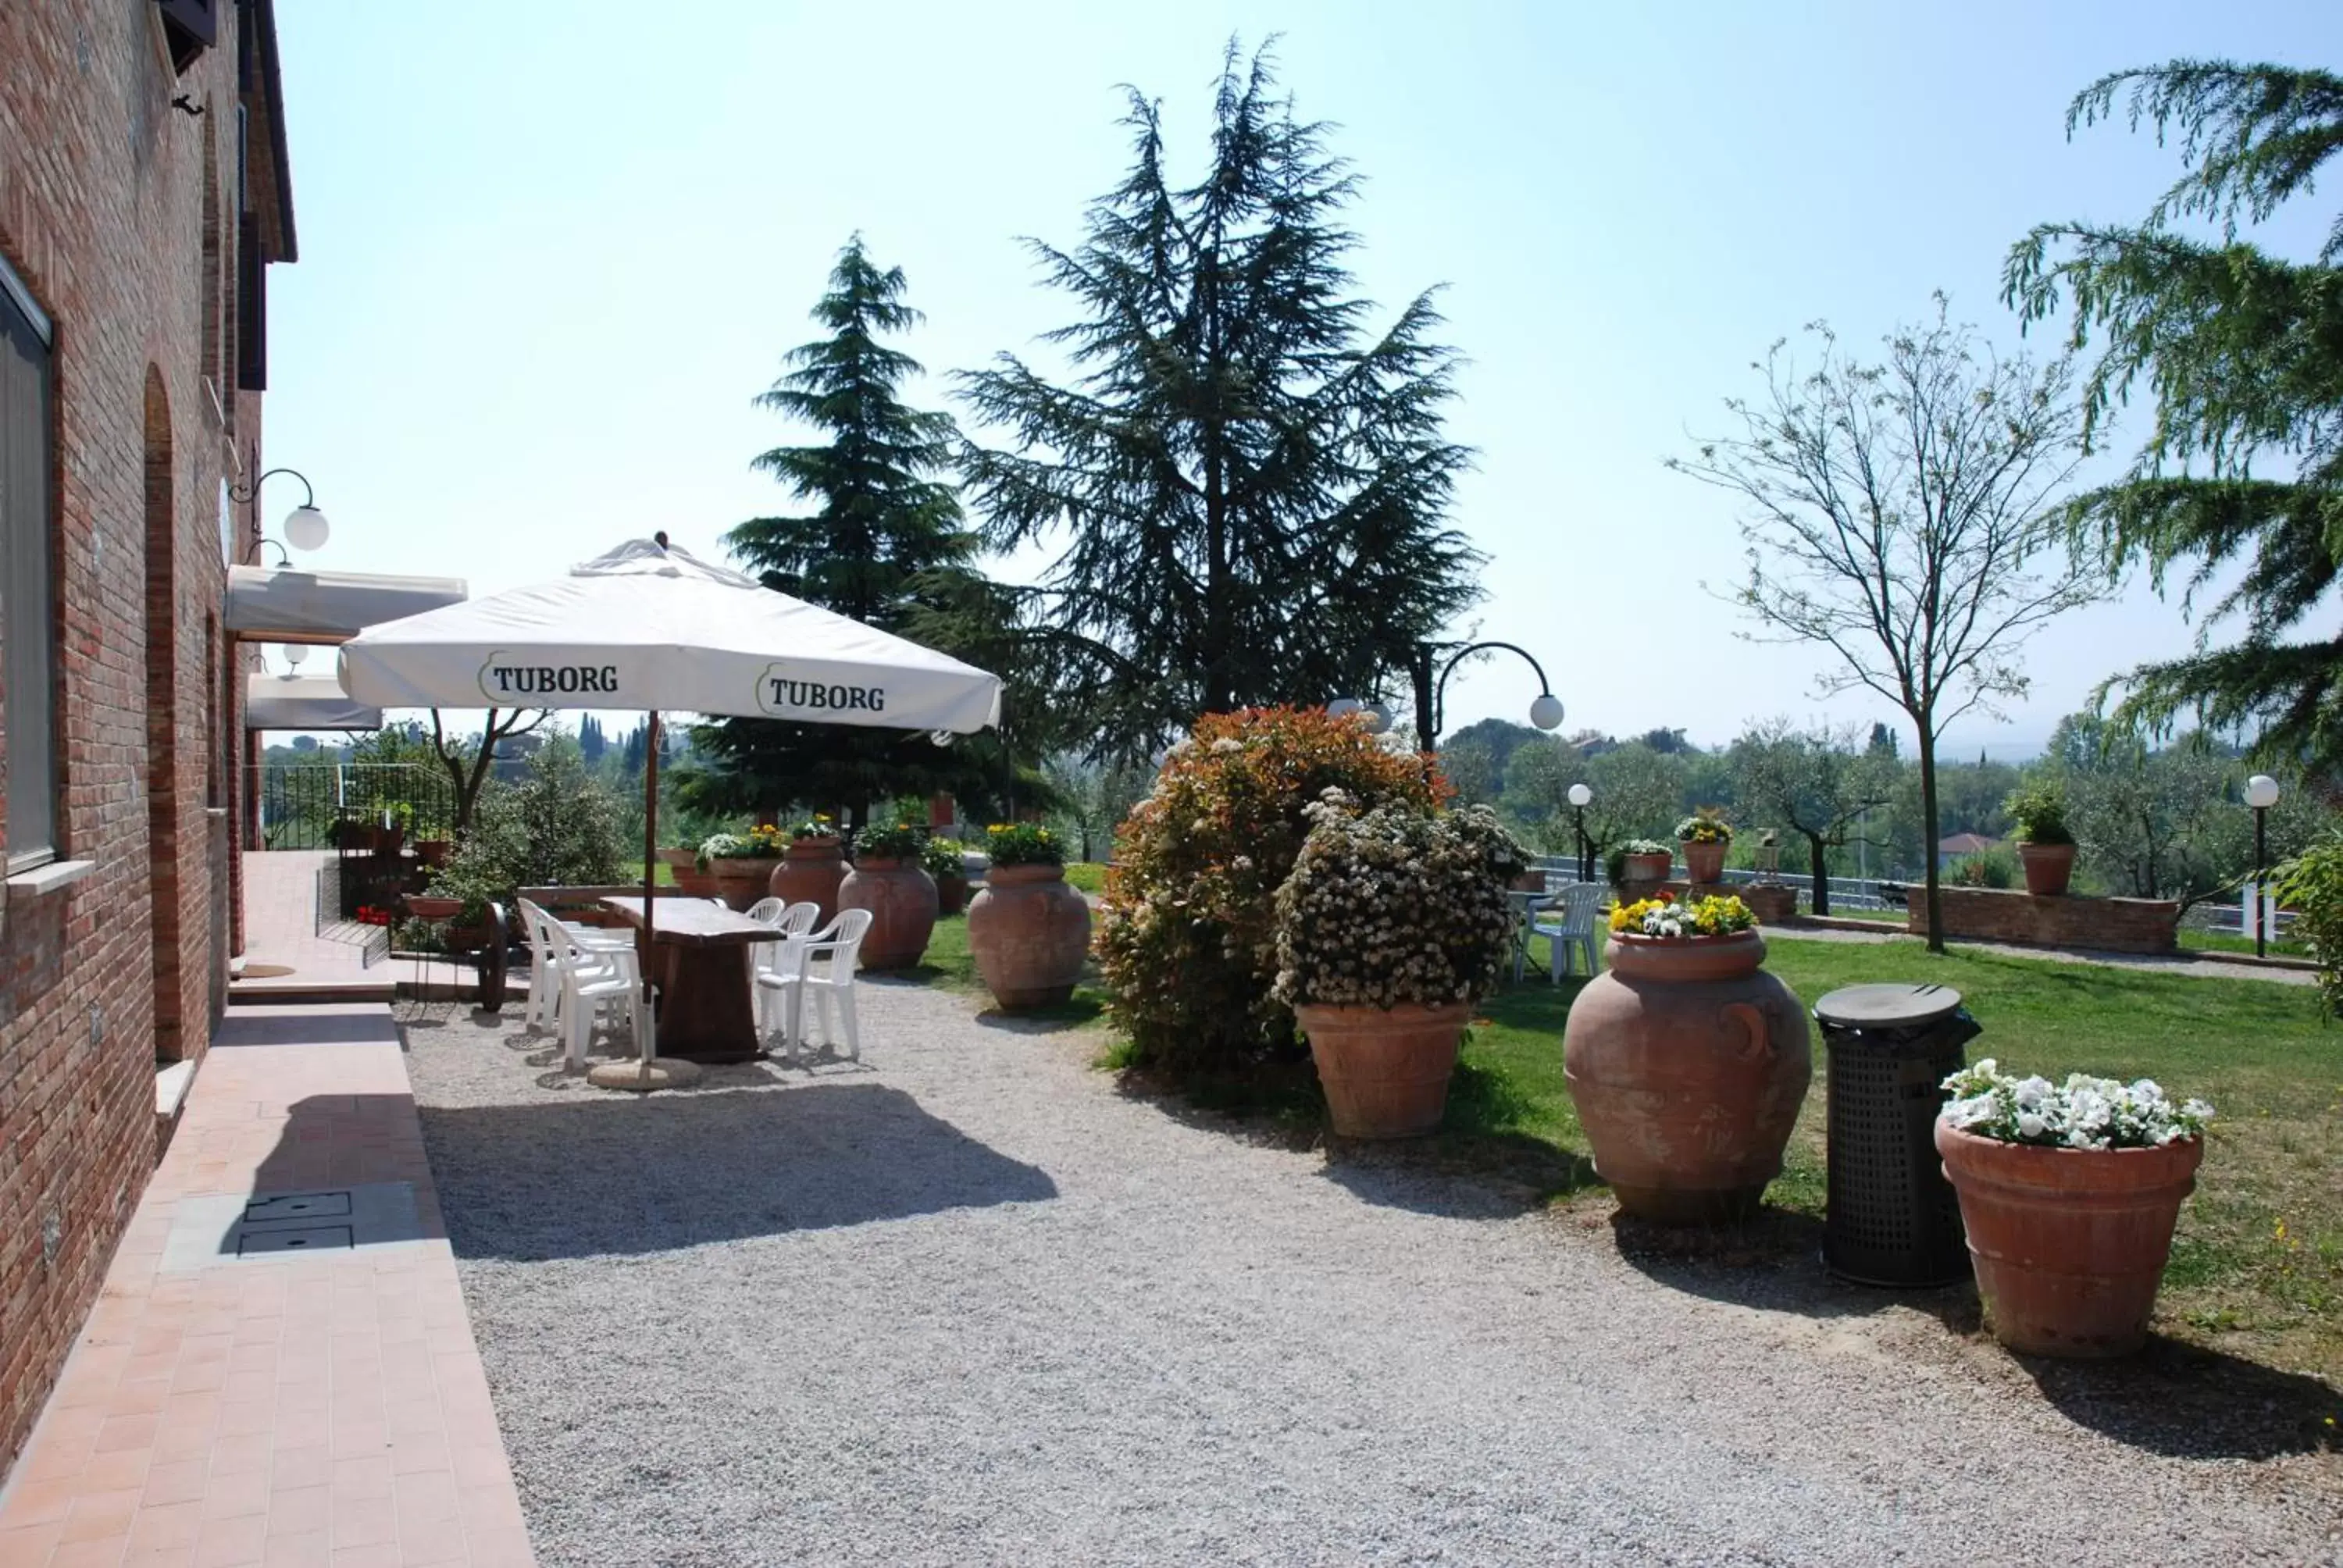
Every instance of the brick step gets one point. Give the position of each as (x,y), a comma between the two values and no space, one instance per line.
(291,989)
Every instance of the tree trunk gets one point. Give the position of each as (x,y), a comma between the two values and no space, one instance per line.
(1818,866)
(1928,831)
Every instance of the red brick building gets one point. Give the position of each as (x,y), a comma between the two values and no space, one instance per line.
(143,192)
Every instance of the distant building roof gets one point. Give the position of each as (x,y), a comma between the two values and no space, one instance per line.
(1966,844)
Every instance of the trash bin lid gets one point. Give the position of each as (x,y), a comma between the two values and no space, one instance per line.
(1887,1006)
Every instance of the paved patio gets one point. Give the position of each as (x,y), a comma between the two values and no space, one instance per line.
(236,1399)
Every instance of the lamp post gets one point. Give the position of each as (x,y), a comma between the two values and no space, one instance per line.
(2262,794)
(1431,681)
(1581,796)
(304,525)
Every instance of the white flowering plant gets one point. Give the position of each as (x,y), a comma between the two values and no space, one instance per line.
(1397,904)
(2083,1112)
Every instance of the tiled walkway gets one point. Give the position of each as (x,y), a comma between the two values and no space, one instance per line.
(305,1407)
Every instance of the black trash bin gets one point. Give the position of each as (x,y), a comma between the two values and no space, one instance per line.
(1893,1217)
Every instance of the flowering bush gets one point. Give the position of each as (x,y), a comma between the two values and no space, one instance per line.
(1705,827)
(2082,1113)
(817,826)
(1022,844)
(1399,904)
(756,843)
(899,842)
(2311,885)
(1646,846)
(1188,932)
(943,858)
(1664,917)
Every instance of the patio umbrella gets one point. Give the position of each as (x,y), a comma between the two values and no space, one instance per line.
(650,626)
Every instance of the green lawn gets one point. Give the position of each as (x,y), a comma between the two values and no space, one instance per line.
(2258,1263)
(1088,875)
(948,963)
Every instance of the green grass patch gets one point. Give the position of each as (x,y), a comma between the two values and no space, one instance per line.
(2257,1260)
(1088,875)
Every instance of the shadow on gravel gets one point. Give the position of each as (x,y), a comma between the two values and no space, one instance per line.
(613,1176)
(1772,1261)
(2185,1402)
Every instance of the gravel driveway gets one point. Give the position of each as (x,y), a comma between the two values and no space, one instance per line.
(967,1303)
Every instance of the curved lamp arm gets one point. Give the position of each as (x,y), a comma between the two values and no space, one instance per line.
(241,493)
(1432,691)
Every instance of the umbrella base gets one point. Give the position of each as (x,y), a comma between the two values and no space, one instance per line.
(640,1077)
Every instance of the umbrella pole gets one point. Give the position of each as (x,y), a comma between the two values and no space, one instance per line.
(650,821)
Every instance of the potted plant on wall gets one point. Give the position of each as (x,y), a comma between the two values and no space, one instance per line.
(433,840)
(888,880)
(1392,922)
(743,863)
(946,860)
(813,863)
(2069,1195)
(2044,847)
(1703,837)
(1639,863)
(1027,930)
(1687,1062)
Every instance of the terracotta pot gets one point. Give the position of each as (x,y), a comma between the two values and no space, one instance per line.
(434,851)
(740,879)
(2068,1244)
(1029,932)
(681,859)
(694,882)
(2049,868)
(425,907)
(951,895)
(809,873)
(1703,862)
(1688,1063)
(1385,1073)
(902,898)
(1648,870)
(1772,902)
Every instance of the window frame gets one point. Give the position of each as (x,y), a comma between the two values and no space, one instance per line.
(16,299)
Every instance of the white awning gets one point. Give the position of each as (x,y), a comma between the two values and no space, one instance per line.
(303,702)
(278,604)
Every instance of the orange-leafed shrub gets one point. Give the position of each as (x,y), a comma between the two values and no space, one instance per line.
(1187,937)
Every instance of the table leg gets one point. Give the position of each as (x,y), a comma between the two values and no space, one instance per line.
(706,1012)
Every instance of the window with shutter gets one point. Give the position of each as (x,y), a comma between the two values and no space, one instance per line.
(190,27)
(27,619)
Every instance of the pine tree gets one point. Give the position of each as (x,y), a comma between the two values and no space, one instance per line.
(2240,347)
(1250,483)
(885,544)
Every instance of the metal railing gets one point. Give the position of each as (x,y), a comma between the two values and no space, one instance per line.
(316,805)
(1847,892)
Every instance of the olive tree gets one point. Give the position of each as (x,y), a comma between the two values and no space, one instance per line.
(1903,514)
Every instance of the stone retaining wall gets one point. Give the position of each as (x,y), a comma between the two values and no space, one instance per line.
(1996,914)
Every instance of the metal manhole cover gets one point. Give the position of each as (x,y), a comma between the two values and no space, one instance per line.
(298,1206)
(293,1239)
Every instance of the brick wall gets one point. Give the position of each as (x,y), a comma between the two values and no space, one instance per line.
(105,191)
(1996,914)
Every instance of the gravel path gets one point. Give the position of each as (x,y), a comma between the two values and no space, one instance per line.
(967,1303)
(2167,963)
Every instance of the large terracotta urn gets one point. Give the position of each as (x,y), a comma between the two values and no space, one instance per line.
(1704,859)
(902,898)
(740,878)
(951,895)
(809,873)
(2050,867)
(1688,1063)
(2070,1245)
(1029,933)
(693,882)
(1385,1070)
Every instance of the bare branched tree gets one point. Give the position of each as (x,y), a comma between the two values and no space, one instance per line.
(467,764)
(1905,514)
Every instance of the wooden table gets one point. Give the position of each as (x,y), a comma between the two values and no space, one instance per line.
(706,1011)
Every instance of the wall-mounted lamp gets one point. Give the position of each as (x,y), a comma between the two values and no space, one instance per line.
(305,526)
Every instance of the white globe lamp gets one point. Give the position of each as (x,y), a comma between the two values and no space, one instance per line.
(305,529)
(2261,791)
(1546,711)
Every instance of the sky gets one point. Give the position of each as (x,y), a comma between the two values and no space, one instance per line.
(550,252)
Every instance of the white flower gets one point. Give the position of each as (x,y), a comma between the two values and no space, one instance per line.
(1225,745)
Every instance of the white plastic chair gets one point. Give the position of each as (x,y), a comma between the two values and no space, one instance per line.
(1571,931)
(544,932)
(764,911)
(822,964)
(590,978)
